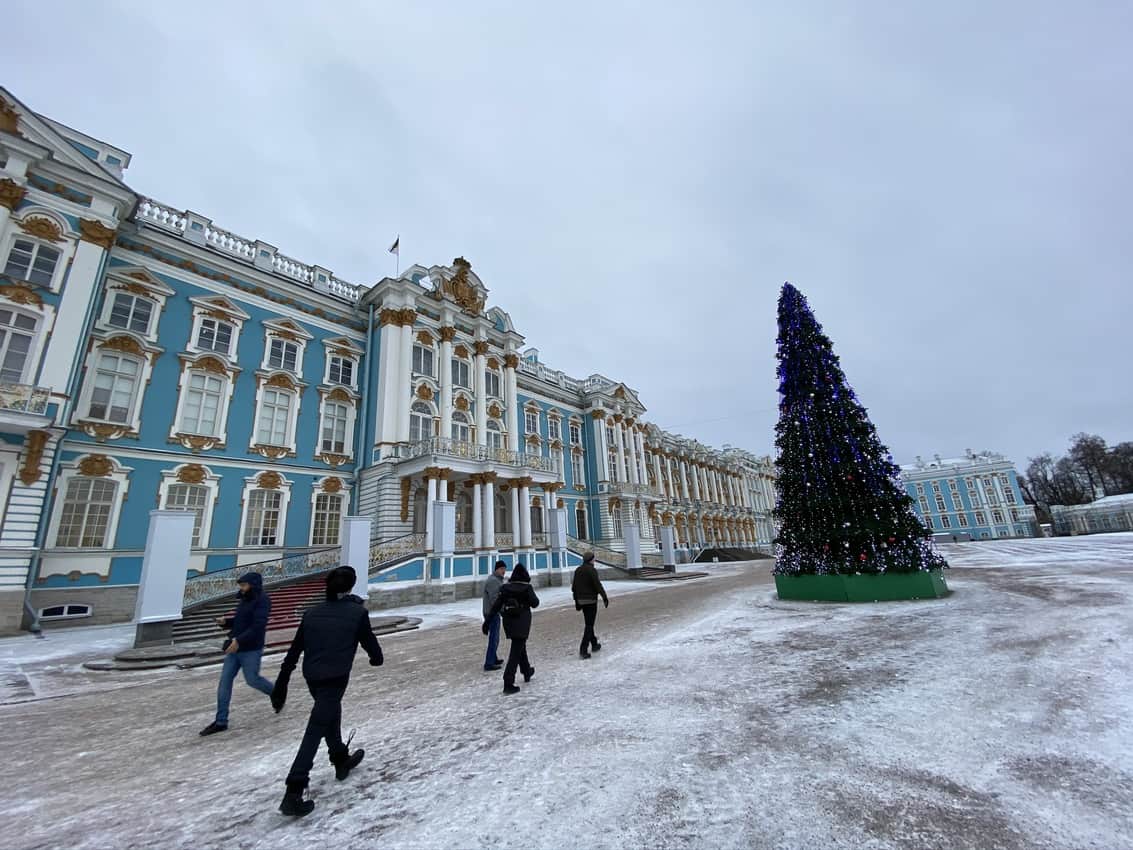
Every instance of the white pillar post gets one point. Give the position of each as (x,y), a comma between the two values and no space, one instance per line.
(525,514)
(448,334)
(477,514)
(489,512)
(511,361)
(668,547)
(601,461)
(388,392)
(619,433)
(515,517)
(405,369)
(430,477)
(481,349)
(161,591)
(356,552)
(82,284)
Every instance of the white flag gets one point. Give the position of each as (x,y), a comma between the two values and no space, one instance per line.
(395,248)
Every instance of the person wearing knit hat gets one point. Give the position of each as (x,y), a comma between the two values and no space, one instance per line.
(328,638)
(514,603)
(491,590)
(244,648)
(586,587)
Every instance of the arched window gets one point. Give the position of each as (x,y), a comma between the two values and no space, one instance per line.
(262,521)
(495,435)
(461,428)
(464,512)
(536,519)
(115,387)
(420,503)
(580,521)
(420,422)
(87,507)
(423,359)
(32,261)
(327,519)
(503,513)
(17,333)
(189,497)
(616,520)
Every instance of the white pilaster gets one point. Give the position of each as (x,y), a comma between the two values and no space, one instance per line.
(405,385)
(67,331)
(477,515)
(619,435)
(603,450)
(445,367)
(481,393)
(432,497)
(525,516)
(489,517)
(516,524)
(512,402)
(387,392)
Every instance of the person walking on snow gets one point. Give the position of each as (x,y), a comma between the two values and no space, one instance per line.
(514,603)
(586,587)
(328,637)
(245,646)
(492,586)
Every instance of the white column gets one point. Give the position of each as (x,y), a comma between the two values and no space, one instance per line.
(356,552)
(445,367)
(642,459)
(477,514)
(388,391)
(603,450)
(161,590)
(695,470)
(510,362)
(525,515)
(490,512)
(516,523)
(681,466)
(430,498)
(619,433)
(405,368)
(67,330)
(658,473)
(481,349)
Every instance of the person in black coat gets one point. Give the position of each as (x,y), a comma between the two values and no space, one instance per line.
(586,587)
(513,604)
(328,637)
(245,646)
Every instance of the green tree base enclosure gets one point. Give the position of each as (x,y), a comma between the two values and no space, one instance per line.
(867,587)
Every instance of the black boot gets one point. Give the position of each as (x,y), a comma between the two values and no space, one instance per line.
(213,728)
(343,766)
(511,689)
(527,676)
(293,804)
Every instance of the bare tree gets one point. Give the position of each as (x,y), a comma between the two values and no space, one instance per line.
(1089,454)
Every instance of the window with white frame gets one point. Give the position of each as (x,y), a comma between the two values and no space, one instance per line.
(928,522)
(554,429)
(461,428)
(580,521)
(492,383)
(336,419)
(262,515)
(274,427)
(341,370)
(981,518)
(530,422)
(115,387)
(327,519)
(420,422)
(612,466)
(88,504)
(282,354)
(423,360)
(460,373)
(1008,490)
(940,501)
(576,468)
(611,441)
(997,516)
(963,518)
(945,522)
(17,334)
(1014,514)
(131,313)
(189,497)
(495,436)
(924,505)
(575,433)
(204,401)
(32,261)
(215,335)
(616,521)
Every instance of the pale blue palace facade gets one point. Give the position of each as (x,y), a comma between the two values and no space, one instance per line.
(151,359)
(974,497)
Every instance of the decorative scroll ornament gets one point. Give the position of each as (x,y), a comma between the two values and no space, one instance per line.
(494,411)
(9,118)
(448,333)
(30,471)
(424,337)
(332,485)
(511,361)
(282,382)
(103,431)
(339,394)
(97,466)
(406,483)
(389,317)
(211,364)
(269,480)
(41,228)
(197,442)
(461,403)
(407,317)
(460,351)
(481,347)
(493,363)
(11,193)
(620,392)
(462,290)
(560,503)
(125,344)
(20,293)
(96,233)
(273,452)
(424,393)
(332,459)
(191,473)
(597,414)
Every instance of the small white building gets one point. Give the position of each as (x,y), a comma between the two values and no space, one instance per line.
(1112,513)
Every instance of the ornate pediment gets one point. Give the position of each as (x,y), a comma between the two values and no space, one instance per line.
(459,283)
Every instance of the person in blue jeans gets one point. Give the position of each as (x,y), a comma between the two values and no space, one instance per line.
(492,586)
(245,646)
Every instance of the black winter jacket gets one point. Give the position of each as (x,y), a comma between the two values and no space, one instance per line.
(328,639)
(250,622)
(517,625)
(586,586)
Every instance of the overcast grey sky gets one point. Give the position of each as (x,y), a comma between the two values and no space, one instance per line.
(947,183)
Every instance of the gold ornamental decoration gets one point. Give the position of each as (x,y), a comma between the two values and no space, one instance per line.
(462,290)
(389,317)
(97,466)
(560,504)
(9,118)
(620,392)
(272,452)
(20,293)
(332,459)
(424,337)
(191,473)
(269,480)
(448,333)
(41,228)
(103,431)
(11,193)
(493,363)
(597,414)
(494,411)
(332,485)
(511,361)
(481,347)
(96,233)
(406,483)
(125,344)
(461,403)
(461,351)
(30,471)
(424,393)
(407,317)
(211,364)
(339,394)
(282,382)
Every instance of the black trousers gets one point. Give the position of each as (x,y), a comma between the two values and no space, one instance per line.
(325,723)
(516,657)
(589,639)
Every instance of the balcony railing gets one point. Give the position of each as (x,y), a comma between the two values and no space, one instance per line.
(474,452)
(24,398)
(219,583)
(626,488)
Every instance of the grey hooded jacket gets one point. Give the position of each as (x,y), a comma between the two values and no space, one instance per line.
(491,591)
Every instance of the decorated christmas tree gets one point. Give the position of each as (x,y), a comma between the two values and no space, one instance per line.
(841,510)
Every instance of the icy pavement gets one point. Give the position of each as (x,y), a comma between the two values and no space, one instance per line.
(715,716)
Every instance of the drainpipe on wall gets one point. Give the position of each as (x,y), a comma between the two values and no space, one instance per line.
(65,415)
(364,449)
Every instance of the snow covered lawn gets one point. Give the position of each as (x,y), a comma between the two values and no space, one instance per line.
(715,716)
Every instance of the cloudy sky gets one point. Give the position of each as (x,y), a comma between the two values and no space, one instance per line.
(947,183)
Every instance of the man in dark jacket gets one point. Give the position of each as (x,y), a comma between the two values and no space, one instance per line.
(328,638)
(245,646)
(491,591)
(586,587)
(514,603)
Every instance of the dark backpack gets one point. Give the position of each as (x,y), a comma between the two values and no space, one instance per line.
(511,607)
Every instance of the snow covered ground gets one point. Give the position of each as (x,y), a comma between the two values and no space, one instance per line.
(715,716)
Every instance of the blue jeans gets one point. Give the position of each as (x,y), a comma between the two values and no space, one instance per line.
(493,642)
(249,662)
